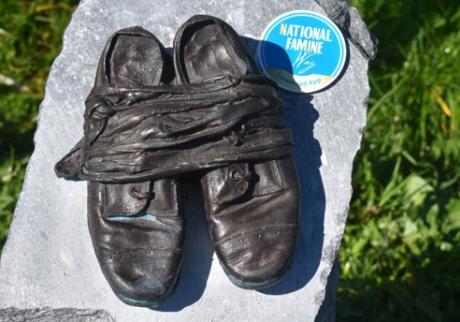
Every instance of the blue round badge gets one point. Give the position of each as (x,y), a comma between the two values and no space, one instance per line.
(302,51)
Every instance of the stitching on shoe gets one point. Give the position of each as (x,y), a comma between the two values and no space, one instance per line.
(274,230)
(130,251)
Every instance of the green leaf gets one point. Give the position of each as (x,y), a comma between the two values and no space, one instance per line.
(416,189)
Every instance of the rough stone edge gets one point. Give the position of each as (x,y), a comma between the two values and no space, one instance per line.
(46,313)
(352,25)
(355,29)
(33,155)
(327,310)
(41,314)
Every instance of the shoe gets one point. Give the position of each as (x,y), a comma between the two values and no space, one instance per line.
(251,203)
(136,227)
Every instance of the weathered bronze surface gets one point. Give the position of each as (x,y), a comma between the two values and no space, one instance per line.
(252,204)
(145,127)
(136,227)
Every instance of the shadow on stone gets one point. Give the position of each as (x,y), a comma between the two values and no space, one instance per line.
(300,116)
(198,251)
(327,310)
(344,69)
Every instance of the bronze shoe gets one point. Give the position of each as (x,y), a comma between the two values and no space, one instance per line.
(252,204)
(136,226)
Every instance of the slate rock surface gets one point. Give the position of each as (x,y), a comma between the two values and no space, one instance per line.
(48,260)
(47,314)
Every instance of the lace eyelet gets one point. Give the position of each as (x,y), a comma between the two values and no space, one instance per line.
(235,175)
(135,193)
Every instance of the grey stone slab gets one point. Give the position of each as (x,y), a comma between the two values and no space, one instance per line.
(48,259)
(46,314)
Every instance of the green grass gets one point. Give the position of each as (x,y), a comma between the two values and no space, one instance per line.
(400,257)
(30,38)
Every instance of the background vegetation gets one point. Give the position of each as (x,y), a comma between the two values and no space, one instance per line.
(400,257)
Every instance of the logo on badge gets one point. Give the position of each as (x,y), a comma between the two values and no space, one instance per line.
(302,51)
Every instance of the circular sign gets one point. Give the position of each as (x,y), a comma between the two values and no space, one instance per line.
(302,51)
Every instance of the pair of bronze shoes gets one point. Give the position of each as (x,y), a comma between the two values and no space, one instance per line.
(151,119)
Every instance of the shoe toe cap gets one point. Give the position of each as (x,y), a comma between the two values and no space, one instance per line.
(138,278)
(258,259)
